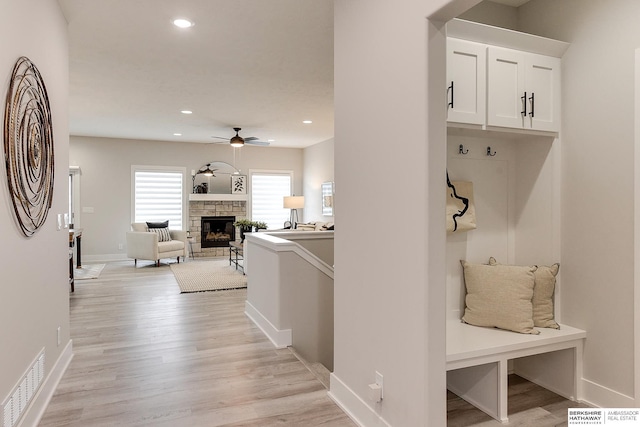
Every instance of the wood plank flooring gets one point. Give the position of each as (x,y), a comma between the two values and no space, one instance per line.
(147,355)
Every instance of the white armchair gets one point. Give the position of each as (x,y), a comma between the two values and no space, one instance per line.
(142,244)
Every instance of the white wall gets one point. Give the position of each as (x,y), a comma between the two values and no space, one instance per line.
(495,14)
(390,292)
(34,295)
(318,168)
(517,213)
(105,166)
(597,181)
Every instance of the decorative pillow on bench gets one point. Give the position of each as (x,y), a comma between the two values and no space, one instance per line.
(499,296)
(543,289)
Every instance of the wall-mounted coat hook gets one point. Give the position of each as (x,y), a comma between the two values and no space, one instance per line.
(461,150)
(489,153)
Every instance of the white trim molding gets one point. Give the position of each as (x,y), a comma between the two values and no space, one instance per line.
(356,408)
(602,397)
(42,398)
(279,338)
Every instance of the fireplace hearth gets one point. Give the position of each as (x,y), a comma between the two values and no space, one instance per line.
(217,231)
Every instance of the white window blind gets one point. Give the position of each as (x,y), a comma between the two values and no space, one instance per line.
(267,195)
(158,197)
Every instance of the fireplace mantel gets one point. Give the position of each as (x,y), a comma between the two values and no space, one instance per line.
(217,197)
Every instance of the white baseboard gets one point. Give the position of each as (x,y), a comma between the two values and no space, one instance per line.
(41,400)
(603,397)
(279,338)
(89,259)
(356,408)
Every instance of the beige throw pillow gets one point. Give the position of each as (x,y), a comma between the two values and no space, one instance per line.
(499,296)
(543,290)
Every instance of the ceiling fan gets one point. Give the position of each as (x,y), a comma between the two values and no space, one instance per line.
(238,141)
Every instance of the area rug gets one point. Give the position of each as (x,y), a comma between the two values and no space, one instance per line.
(90,271)
(208,275)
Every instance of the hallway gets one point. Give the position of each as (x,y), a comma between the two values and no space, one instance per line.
(147,355)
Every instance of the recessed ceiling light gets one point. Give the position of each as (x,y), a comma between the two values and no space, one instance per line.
(186,112)
(307,122)
(177,134)
(271,140)
(183,23)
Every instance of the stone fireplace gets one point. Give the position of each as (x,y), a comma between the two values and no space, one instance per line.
(217,231)
(211,218)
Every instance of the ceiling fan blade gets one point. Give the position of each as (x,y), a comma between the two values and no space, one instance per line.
(260,143)
(251,138)
(220,137)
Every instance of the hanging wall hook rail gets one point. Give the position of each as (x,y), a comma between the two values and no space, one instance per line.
(461,150)
(489,153)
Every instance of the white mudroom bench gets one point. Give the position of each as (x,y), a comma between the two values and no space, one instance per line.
(478,363)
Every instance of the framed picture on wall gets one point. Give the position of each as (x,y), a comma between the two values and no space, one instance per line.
(238,184)
(327,198)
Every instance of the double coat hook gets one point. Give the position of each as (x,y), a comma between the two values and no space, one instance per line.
(462,150)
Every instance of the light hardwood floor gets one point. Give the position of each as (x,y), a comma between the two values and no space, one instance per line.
(147,355)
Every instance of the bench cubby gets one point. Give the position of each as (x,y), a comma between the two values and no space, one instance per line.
(478,363)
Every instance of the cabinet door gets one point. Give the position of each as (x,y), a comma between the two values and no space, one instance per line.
(542,83)
(505,88)
(466,77)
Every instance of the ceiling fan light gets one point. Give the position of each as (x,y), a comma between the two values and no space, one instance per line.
(237,141)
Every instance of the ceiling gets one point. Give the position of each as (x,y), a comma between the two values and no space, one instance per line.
(264,66)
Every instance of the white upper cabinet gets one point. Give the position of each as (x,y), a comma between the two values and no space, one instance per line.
(542,78)
(502,79)
(467,81)
(523,90)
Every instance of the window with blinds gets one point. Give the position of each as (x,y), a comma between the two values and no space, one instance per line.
(158,196)
(267,195)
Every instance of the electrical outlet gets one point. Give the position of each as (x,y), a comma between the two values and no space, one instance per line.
(120,246)
(379,380)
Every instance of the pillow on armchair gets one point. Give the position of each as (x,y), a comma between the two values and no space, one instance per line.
(163,234)
(163,224)
(161,229)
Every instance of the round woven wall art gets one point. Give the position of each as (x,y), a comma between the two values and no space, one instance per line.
(28,146)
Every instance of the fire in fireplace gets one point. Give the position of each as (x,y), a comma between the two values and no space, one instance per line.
(217,231)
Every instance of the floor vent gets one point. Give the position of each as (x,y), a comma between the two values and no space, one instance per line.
(17,402)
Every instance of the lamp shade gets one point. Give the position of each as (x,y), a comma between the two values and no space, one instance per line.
(293,202)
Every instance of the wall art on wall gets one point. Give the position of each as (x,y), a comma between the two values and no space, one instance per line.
(461,211)
(238,184)
(327,198)
(28,146)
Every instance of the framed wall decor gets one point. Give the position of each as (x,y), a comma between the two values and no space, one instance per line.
(327,198)
(28,146)
(238,184)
